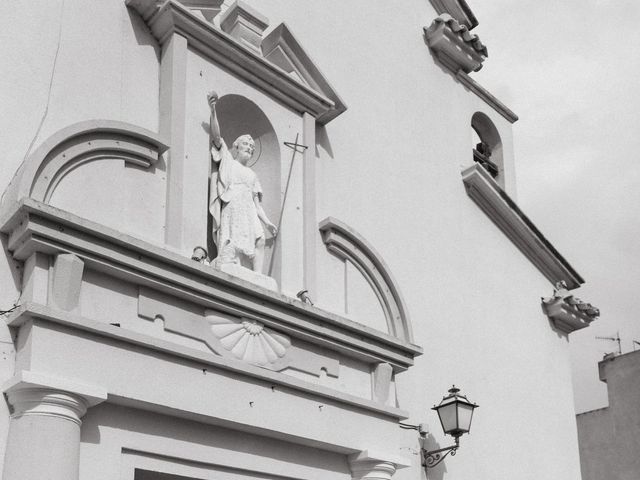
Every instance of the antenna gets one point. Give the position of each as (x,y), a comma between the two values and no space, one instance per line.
(615,339)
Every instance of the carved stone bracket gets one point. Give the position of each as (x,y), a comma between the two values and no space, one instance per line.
(66,281)
(382,376)
(454,46)
(568,313)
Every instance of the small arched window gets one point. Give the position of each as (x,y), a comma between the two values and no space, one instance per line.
(487,146)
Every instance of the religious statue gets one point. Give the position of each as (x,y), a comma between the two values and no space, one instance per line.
(235,200)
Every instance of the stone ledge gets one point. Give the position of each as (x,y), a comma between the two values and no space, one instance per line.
(31,311)
(508,217)
(36,227)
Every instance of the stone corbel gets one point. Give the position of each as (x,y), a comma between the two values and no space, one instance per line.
(568,313)
(454,46)
(65,282)
(382,376)
(368,465)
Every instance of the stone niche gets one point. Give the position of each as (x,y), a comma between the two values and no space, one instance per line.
(238,115)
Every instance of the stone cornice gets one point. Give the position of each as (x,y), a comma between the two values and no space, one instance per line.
(485,95)
(35,227)
(508,217)
(173,18)
(458,9)
(30,312)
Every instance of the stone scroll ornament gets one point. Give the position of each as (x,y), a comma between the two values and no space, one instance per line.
(235,200)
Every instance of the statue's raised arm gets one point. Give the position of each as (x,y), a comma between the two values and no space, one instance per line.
(214,126)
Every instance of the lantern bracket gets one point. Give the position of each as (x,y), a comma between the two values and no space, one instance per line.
(431,458)
(434,457)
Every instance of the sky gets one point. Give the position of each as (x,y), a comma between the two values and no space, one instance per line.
(570,70)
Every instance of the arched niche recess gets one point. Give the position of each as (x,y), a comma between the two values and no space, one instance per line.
(76,146)
(487,147)
(347,244)
(238,116)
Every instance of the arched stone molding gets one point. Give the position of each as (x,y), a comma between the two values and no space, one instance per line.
(75,146)
(347,244)
(489,135)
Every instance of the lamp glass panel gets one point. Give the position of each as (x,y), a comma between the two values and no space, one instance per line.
(447,414)
(464,416)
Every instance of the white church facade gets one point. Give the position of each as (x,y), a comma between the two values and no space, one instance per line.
(181,305)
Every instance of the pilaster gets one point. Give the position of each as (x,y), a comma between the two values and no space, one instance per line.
(309,221)
(44,431)
(173,79)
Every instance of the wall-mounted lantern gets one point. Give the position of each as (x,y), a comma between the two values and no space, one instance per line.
(455,413)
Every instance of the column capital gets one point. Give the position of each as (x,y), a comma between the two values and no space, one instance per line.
(368,465)
(31,393)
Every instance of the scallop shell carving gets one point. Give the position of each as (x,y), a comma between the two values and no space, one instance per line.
(249,340)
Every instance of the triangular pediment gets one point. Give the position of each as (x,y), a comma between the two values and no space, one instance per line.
(282,49)
(275,63)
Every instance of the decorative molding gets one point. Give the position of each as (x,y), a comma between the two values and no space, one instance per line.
(508,217)
(244,61)
(486,96)
(568,313)
(75,145)
(35,227)
(186,319)
(347,244)
(454,46)
(248,340)
(30,313)
(459,10)
(244,23)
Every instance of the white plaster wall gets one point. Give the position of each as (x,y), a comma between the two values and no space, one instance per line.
(135,196)
(65,61)
(115,440)
(390,168)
